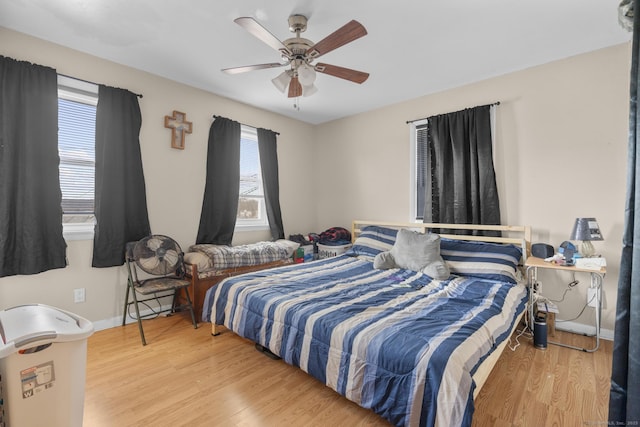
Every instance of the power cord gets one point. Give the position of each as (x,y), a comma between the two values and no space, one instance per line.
(525,330)
(535,298)
(154,312)
(581,311)
(570,286)
(521,332)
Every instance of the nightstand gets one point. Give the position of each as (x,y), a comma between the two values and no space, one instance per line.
(533,264)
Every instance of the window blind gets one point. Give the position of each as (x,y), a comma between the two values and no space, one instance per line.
(76,148)
(421,168)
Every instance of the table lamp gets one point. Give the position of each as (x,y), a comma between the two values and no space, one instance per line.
(586,230)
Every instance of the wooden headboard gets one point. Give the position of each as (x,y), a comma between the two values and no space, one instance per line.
(519,235)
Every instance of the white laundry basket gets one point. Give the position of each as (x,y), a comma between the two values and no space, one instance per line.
(43,357)
(328,251)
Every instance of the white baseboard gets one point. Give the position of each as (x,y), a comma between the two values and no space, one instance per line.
(117,321)
(579,328)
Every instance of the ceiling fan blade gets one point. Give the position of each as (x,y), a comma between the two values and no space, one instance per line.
(238,70)
(295,88)
(261,33)
(347,33)
(343,73)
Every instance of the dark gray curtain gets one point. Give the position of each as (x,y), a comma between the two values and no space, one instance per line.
(461,183)
(31,238)
(267,146)
(222,187)
(121,202)
(624,399)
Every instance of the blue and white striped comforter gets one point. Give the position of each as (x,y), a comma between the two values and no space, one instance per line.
(394,341)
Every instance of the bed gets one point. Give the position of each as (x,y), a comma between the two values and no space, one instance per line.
(207,264)
(411,348)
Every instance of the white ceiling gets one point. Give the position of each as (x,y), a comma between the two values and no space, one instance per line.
(413,47)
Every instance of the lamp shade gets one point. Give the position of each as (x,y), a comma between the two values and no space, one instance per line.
(586,229)
(282,81)
(306,75)
(309,90)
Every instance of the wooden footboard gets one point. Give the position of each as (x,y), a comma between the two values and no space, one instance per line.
(200,285)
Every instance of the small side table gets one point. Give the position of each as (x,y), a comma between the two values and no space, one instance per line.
(533,264)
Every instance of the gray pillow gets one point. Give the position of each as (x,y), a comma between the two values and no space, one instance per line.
(437,269)
(415,251)
(384,261)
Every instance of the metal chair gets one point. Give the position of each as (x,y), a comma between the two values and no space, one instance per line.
(161,258)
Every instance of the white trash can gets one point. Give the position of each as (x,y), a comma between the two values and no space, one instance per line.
(43,358)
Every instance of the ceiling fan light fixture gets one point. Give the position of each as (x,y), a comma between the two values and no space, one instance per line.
(309,90)
(299,53)
(306,75)
(282,81)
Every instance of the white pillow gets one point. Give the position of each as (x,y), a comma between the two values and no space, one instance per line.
(200,260)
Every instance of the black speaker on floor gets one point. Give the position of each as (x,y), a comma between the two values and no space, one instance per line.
(542,250)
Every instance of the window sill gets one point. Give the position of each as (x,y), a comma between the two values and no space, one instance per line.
(256,227)
(77,231)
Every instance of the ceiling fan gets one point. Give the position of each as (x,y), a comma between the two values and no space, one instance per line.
(299,54)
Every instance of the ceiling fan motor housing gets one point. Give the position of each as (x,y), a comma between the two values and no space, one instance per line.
(298,47)
(297,23)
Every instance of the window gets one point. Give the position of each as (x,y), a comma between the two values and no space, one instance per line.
(251,204)
(426,166)
(418,169)
(77,102)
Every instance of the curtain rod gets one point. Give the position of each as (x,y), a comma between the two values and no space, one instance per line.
(93,83)
(215,116)
(417,120)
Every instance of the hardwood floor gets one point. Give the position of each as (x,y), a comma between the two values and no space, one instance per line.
(553,387)
(187,377)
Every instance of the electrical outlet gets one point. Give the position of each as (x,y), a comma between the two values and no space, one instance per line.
(592,299)
(78,295)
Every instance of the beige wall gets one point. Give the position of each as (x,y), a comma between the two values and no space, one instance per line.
(561,150)
(174,178)
(561,143)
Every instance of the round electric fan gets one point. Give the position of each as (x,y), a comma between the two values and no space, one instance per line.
(157,254)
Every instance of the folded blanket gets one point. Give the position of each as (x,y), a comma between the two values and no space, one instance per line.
(220,256)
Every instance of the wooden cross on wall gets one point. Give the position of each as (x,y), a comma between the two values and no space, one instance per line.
(179,127)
